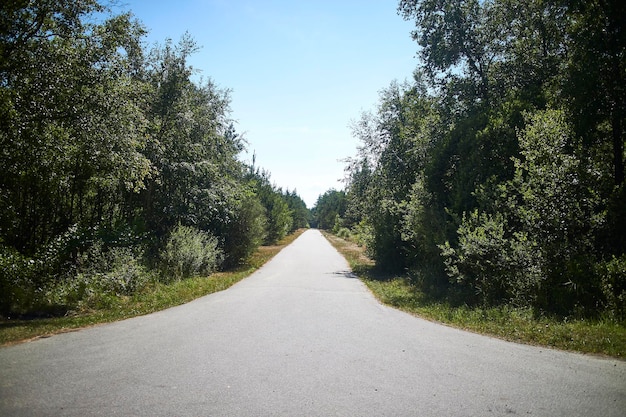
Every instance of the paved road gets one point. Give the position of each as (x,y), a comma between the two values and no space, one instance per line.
(301,337)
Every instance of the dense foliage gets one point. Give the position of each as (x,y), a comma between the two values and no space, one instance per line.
(329,209)
(496,175)
(116,167)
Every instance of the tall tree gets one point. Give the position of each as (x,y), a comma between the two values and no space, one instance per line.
(596,83)
(456,35)
(62,83)
(191,145)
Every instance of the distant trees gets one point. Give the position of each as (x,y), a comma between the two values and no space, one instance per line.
(284,212)
(495,176)
(116,167)
(329,210)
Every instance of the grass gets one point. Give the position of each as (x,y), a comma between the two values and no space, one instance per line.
(155,297)
(602,337)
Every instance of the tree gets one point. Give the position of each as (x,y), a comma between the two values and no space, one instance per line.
(596,79)
(559,207)
(106,152)
(278,215)
(539,239)
(62,83)
(328,206)
(395,146)
(299,212)
(192,146)
(594,92)
(456,35)
(247,230)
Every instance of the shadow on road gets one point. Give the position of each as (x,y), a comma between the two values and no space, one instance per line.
(345,274)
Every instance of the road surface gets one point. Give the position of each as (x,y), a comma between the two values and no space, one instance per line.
(301,337)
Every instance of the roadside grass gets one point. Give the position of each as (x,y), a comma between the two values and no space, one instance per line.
(602,337)
(155,297)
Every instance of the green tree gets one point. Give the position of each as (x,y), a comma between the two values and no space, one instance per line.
(536,241)
(247,230)
(596,74)
(456,35)
(106,152)
(191,145)
(394,152)
(71,135)
(594,92)
(559,208)
(279,220)
(71,138)
(299,212)
(328,207)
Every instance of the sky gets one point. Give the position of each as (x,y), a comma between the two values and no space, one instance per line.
(300,73)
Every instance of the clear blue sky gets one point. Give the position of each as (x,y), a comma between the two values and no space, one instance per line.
(300,72)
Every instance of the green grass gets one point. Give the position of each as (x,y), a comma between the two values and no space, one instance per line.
(153,298)
(601,337)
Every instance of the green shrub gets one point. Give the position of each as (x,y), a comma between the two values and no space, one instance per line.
(188,252)
(246,232)
(344,233)
(99,273)
(363,234)
(17,273)
(494,267)
(112,270)
(613,282)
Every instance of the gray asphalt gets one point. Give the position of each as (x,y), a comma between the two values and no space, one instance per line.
(301,337)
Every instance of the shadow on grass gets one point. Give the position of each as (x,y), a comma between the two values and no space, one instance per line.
(373,273)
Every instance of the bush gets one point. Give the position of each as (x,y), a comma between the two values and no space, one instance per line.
(99,273)
(344,233)
(494,267)
(111,270)
(17,273)
(188,252)
(613,282)
(246,232)
(362,233)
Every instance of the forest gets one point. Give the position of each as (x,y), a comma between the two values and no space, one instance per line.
(495,175)
(117,167)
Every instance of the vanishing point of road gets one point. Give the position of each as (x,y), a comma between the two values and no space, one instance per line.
(300,337)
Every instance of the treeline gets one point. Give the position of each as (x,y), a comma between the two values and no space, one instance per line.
(496,176)
(116,168)
(328,209)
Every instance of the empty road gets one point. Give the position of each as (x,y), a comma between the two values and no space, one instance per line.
(300,337)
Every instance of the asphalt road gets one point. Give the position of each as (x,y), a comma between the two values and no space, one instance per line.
(301,337)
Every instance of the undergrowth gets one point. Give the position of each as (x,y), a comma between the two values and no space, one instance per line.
(154,296)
